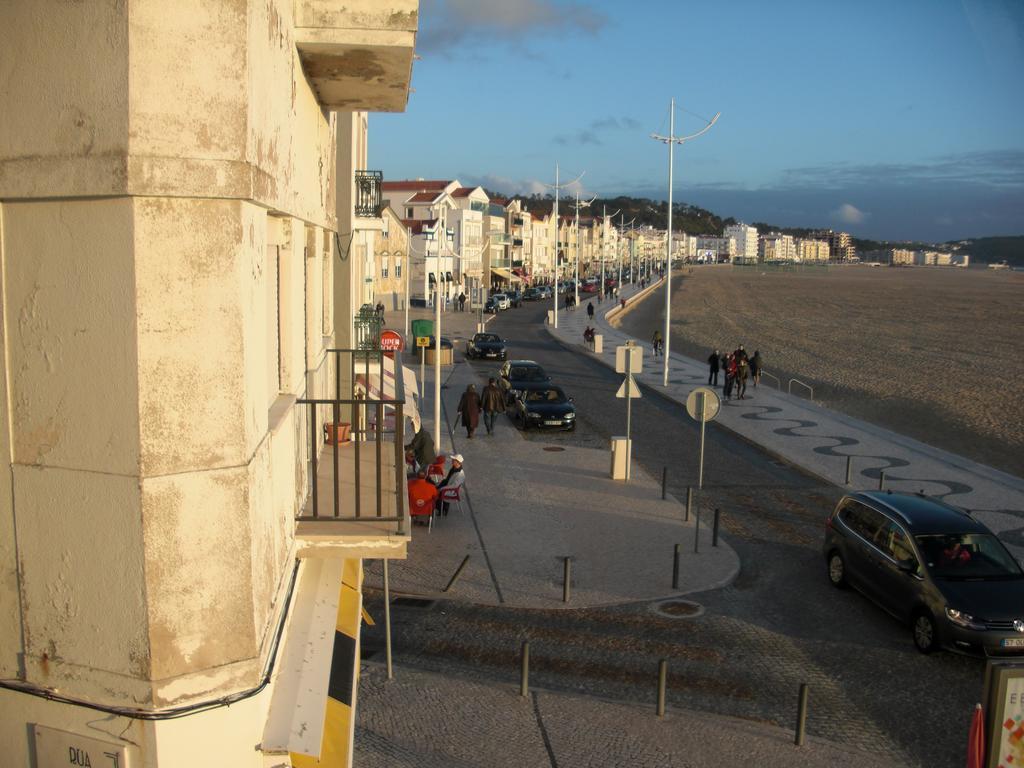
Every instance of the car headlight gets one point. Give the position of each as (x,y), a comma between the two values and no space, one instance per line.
(962,619)
(570,415)
(533,414)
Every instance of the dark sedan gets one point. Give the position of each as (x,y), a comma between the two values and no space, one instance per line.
(544,406)
(486,345)
(520,374)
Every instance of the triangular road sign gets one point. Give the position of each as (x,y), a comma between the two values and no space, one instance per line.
(634,390)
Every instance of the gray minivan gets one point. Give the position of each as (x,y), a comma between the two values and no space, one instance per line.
(931,565)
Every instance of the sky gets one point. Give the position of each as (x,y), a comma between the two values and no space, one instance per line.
(889,119)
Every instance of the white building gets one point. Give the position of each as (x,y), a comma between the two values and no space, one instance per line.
(777,247)
(746,242)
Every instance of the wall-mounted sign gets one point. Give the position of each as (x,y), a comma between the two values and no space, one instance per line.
(60,749)
(391,341)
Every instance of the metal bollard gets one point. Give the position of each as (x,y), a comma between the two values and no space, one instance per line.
(881,480)
(524,669)
(849,469)
(689,502)
(714,530)
(458,572)
(566,579)
(675,568)
(664,481)
(662,679)
(801,716)
(696,533)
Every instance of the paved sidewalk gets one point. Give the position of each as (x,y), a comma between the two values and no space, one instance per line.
(817,439)
(527,508)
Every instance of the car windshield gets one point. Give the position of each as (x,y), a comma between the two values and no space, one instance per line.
(967,556)
(486,337)
(545,396)
(528,374)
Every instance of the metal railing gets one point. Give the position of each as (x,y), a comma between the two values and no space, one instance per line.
(367,326)
(778,382)
(368,201)
(376,421)
(808,387)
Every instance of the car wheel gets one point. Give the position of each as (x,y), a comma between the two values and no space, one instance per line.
(924,632)
(836,570)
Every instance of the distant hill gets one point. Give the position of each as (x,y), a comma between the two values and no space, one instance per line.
(697,221)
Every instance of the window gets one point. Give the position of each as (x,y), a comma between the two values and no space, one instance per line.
(408,213)
(862,520)
(398,266)
(384,268)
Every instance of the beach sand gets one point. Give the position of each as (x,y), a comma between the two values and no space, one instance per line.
(932,353)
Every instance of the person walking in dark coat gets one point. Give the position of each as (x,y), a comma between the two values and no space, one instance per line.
(493,403)
(462,302)
(469,410)
(713,369)
(730,376)
(590,310)
(755,368)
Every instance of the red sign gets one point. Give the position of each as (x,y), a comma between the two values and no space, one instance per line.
(391,341)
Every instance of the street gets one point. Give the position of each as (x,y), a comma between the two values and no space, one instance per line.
(743,650)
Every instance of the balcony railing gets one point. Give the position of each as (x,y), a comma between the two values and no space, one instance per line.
(368,202)
(356,440)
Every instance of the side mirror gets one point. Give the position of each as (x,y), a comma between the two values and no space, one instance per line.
(572,400)
(907,566)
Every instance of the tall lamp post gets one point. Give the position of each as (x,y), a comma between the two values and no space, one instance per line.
(672,140)
(558,188)
(576,282)
(604,227)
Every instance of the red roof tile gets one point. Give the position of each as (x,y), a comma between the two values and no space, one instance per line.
(413,185)
(424,197)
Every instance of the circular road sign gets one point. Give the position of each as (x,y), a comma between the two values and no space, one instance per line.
(712,405)
(391,341)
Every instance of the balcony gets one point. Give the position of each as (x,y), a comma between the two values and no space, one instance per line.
(358,56)
(356,502)
(368,202)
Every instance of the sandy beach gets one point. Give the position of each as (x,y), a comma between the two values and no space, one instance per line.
(934,354)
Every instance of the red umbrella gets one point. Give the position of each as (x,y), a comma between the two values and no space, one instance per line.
(976,740)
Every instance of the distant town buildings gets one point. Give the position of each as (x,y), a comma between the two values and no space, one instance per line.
(746,242)
(839,244)
(809,250)
(902,257)
(776,246)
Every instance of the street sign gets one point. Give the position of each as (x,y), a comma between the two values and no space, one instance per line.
(56,748)
(634,390)
(711,403)
(636,362)
(422,341)
(391,341)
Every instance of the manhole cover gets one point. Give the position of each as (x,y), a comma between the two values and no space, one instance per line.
(553,448)
(679,609)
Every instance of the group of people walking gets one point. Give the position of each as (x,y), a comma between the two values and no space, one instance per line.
(490,403)
(738,368)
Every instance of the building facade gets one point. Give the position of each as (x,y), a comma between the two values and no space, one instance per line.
(175,276)
(745,237)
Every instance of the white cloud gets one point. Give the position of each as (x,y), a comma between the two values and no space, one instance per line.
(848,214)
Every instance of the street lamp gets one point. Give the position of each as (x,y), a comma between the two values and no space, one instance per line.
(558,187)
(672,140)
(604,228)
(576,282)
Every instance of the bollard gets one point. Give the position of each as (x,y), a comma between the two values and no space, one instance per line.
(714,530)
(524,669)
(689,502)
(566,579)
(849,469)
(881,480)
(662,678)
(664,481)
(801,716)
(675,568)
(696,533)
(458,572)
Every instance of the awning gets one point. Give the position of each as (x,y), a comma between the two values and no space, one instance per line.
(504,274)
(370,385)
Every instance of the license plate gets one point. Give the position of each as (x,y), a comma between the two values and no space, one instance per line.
(492,354)
(1013,642)
(553,423)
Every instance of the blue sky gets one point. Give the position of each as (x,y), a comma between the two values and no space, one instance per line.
(898,119)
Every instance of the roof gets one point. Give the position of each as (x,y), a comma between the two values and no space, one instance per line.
(923,514)
(464,191)
(413,184)
(424,197)
(416,226)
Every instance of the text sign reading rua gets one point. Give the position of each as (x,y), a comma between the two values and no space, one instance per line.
(61,749)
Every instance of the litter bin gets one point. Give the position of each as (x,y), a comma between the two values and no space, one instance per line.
(551,317)
(446,356)
(621,450)
(599,346)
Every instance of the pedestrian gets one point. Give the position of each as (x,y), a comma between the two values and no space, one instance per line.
(588,336)
(462,302)
(742,373)
(755,368)
(568,302)
(493,403)
(422,448)
(713,369)
(454,479)
(656,342)
(590,310)
(622,303)
(469,410)
(740,354)
(730,376)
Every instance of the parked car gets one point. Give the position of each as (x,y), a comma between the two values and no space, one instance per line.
(544,406)
(502,300)
(486,345)
(515,375)
(543,291)
(531,294)
(515,298)
(931,565)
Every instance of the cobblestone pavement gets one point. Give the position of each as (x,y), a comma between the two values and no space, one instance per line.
(779,624)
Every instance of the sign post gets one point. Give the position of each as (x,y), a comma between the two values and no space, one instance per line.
(703,405)
(422,342)
(628,358)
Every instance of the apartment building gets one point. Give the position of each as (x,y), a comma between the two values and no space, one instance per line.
(839,244)
(177,199)
(808,250)
(541,267)
(776,247)
(391,260)
(518,223)
(902,257)
(746,242)
(715,249)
